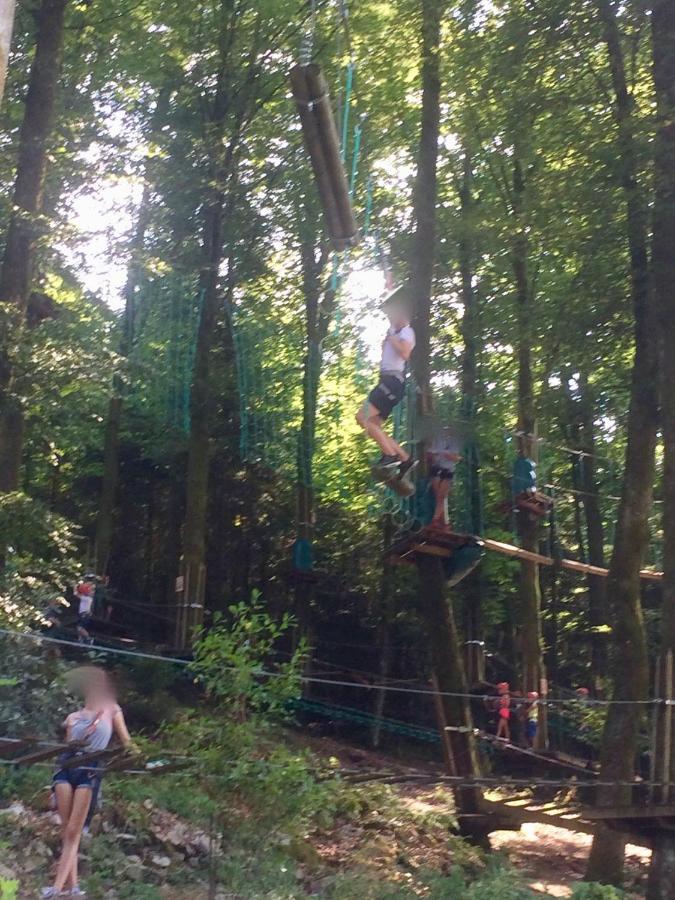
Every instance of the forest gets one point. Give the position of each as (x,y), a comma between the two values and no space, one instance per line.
(220,222)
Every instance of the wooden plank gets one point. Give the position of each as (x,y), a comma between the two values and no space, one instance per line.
(95,756)
(433,550)
(526,814)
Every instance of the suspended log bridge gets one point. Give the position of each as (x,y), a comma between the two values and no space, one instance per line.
(536,758)
(571,564)
(312,98)
(444,543)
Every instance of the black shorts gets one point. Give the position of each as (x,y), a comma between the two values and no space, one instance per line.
(388,394)
(440,472)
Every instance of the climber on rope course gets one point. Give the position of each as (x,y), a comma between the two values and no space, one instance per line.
(395,465)
(442,458)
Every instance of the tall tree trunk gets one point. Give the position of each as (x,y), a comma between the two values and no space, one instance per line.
(318,311)
(7,8)
(434,604)
(24,226)
(629,664)
(223,143)
(106,507)
(662,870)
(595,534)
(201,403)
(528,524)
(384,630)
(472,587)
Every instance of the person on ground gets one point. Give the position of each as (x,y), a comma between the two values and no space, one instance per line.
(91,728)
(442,458)
(504,710)
(84,594)
(398,344)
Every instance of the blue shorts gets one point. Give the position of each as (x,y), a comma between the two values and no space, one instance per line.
(531,730)
(77,776)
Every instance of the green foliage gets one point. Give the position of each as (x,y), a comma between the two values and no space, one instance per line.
(34,698)
(232,661)
(498,883)
(8,889)
(41,547)
(588,891)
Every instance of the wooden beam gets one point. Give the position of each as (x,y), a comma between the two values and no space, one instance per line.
(572,564)
(653,811)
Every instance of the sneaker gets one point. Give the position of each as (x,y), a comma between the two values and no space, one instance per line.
(406,467)
(76,892)
(385,462)
(51,892)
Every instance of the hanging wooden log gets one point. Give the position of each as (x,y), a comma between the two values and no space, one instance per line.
(310,92)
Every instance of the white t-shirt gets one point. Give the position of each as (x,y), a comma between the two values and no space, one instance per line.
(442,444)
(85,595)
(392,361)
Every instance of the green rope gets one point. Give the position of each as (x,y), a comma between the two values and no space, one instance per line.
(349,82)
(358,131)
(369,207)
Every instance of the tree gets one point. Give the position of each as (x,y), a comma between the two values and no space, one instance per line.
(104,519)
(6,25)
(435,605)
(629,667)
(25,225)
(662,870)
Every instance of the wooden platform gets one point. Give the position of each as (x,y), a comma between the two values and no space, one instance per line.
(520,810)
(429,541)
(533,502)
(640,823)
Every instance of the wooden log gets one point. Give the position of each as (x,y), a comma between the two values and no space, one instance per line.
(347,233)
(330,144)
(310,132)
(572,564)
(40,755)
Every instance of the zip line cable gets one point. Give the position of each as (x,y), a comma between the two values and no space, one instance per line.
(308,679)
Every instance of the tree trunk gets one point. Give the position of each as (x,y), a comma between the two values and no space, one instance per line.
(223,141)
(528,524)
(201,402)
(435,607)
(318,312)
(425,193)
(24,225)
(662,869)
(384,630)
(595,534)
(106,508)
(472,587)
(6,26)
(629,664)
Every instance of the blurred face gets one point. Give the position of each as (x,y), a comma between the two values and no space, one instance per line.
(398,316)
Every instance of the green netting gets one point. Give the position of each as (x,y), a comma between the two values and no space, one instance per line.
(164,350)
